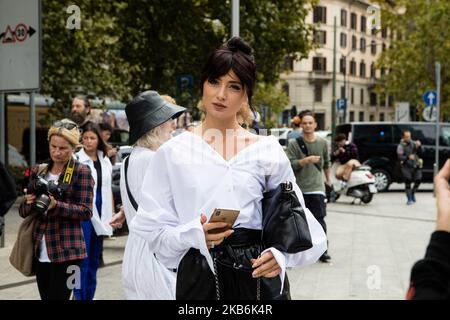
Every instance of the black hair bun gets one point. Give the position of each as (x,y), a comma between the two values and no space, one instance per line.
(236,44)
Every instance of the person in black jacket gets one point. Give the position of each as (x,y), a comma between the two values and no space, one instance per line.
(7,193)
(409,152)
(430,277)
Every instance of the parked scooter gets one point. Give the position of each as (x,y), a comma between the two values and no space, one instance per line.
(361,184)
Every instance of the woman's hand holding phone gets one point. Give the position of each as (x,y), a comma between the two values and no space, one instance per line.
(214,239)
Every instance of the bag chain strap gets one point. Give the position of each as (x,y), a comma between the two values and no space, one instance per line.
(258,289)
(216,277)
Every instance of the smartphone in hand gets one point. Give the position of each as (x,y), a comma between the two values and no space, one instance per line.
(223,215)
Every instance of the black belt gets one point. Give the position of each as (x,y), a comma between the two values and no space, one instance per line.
(242,237)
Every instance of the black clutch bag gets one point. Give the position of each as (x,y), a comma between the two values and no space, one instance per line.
(284,221)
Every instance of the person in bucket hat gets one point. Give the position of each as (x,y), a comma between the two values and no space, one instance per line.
(151,118)
(147,111)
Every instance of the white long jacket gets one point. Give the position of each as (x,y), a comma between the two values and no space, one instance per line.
(188,177)
(101,224)
(143,276)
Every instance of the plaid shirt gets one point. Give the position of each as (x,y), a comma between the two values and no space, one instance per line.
(62,228)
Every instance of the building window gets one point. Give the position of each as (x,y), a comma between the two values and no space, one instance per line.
(382,116)
(352,116)
(371,118)
(354,43)
(362,45)
(391,101)
(374,31)
(352,95)
(343,18)
(320,14)
(384,33)
(372,70)
(318,93)
(382,100)
(285,89)
(361,97)
(343,40)
(353,67)
(383,47)
(373,47)
(373,99)
(382,71)
(320,64)
(342,92)
(288,63)
(362,69)
(363,24)
(353,19)
(342,65)
(320,36)
(361,116)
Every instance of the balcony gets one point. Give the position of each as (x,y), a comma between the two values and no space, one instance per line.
(372,83)
(320,76)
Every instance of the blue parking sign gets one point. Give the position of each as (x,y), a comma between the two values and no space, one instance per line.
(340,104)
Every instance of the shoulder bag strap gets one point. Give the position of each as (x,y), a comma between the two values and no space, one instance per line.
(130,196)
(304,149)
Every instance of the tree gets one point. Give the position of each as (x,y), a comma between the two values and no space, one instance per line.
(125,47)
(163,39)
(420,38)
(85,59)
(270,96)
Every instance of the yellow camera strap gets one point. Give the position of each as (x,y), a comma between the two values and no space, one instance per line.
(68,174)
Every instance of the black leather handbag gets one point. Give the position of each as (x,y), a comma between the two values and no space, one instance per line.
(284,225)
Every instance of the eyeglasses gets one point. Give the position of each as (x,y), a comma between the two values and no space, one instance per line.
(66,125)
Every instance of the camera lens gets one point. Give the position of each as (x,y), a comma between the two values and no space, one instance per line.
(41,204)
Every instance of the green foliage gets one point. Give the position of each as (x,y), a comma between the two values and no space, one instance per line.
(421,38)
(125,47)
(273,97)
(87,58)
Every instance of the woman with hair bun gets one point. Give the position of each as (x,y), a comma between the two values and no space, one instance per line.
(220,165)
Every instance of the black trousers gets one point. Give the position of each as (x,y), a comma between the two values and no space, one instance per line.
(52,279)
(316,204)
(411,175)
(195,280)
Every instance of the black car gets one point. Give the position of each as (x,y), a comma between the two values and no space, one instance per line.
(377,145)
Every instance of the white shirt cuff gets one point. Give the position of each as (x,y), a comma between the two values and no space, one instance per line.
(281,260)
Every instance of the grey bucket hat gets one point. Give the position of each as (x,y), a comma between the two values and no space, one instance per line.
(147,111)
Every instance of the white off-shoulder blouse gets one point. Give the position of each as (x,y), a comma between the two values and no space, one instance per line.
(187,177)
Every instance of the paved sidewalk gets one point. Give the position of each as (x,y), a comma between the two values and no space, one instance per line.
(373,248)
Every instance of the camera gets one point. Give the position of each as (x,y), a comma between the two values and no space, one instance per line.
(43,189)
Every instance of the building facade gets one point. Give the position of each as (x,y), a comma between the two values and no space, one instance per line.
(309,82)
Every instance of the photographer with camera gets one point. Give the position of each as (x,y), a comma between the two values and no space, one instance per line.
(60,194)
(409,152)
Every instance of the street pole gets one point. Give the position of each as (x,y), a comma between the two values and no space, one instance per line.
(438,98)
(345,88)
(2,157)
(333,102)
(2,129)
(235,18)
(32,130)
